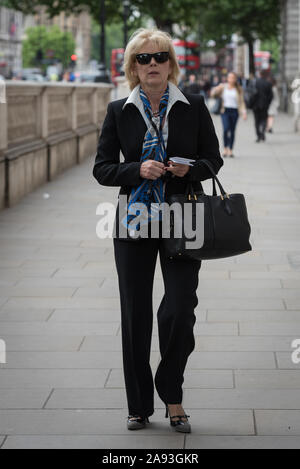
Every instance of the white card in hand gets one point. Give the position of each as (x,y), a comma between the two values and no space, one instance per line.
(180,160)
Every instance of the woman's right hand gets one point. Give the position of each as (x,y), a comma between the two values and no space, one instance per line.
(216,91)
(152,169)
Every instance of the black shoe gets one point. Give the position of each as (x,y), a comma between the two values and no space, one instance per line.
(180,425)
(231,155)
(263,137)
(135,422)
(270,131)
(258,139)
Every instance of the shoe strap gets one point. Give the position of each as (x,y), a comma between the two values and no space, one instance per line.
(179,416)
(137,418)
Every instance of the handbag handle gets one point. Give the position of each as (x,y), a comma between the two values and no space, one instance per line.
(215,178)
(190,189)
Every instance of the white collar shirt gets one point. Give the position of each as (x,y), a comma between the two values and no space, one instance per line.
(174,95)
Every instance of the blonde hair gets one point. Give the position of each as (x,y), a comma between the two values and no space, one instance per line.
(237,85)
(140,37)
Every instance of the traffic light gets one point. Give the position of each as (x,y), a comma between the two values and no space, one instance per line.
(73,60)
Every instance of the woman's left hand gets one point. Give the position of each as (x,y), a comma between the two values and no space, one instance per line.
(177,169)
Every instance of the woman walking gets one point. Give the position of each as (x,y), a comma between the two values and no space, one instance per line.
(273,108)
(155,122)
(233,105)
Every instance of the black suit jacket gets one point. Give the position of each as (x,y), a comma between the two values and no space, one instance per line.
(191,134)
(264,95)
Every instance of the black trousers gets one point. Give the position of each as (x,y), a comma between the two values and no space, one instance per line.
(135,263)
(260,116)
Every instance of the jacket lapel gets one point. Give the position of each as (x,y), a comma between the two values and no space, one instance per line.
(180,125)
(131,118)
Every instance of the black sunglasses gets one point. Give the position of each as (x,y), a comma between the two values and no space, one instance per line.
(159,57)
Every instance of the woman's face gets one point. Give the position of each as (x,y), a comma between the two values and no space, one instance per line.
(153,74)
(231,78)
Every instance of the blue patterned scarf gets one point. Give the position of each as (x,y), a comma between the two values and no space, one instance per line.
(149,191)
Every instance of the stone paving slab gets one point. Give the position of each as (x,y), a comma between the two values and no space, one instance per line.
(253,315)
(270,328)
(94,442)
(278,422)
(232,360)
(42,343)
(267,379)
(60,316)
(53,378)
(66,360)
(22,314)
(58,328)
(197,398)
(193,378)
(12,398)
(242,442)
(243,343)
(86,422)
(284,360)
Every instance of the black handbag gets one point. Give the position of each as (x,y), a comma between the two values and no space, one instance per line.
(225,226)
(216,108)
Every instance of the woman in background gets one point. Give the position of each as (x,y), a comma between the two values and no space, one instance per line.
(273,109)
(233,105)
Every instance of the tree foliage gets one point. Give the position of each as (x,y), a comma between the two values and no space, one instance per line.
(214,19)
(47,39)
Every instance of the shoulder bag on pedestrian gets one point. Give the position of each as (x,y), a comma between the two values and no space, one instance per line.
(251,94)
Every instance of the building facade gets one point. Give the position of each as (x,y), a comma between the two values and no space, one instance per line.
(290,50)
(11,33)
(13,25)
(290,43)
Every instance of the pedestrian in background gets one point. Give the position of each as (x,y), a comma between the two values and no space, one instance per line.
(206,87)
(232,106)
(273,109)
(260,104)
(192,86)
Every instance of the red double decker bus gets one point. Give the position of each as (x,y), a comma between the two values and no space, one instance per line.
(116,64)
(187,53)
(262,60)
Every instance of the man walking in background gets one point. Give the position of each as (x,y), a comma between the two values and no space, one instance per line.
(260,104)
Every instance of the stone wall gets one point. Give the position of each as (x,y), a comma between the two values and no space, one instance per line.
(290,50)
(45,129)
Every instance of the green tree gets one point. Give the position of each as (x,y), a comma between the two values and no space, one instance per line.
(273,46)
(113,8)
(251,19)
(52,42)
(114,37)
(217,19)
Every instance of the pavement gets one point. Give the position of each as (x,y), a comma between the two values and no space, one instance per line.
(62,384)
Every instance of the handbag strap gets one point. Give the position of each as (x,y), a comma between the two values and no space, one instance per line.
(190,189)
(215,178)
